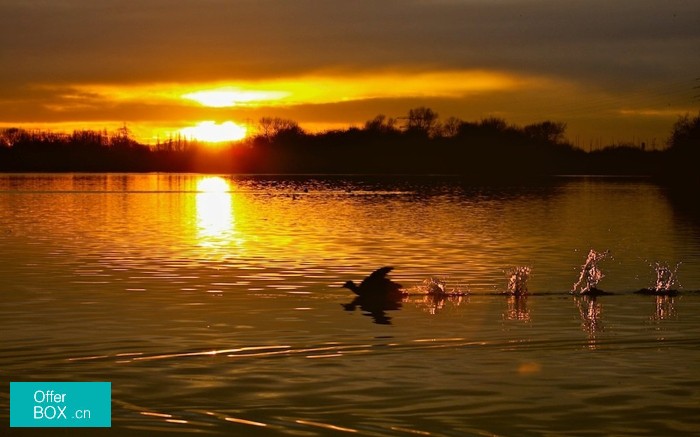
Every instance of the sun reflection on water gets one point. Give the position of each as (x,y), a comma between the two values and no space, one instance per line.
(214,210)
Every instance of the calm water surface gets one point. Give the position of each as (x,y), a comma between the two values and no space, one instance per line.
(213,305)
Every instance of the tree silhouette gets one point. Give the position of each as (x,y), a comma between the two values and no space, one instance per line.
(450,127)
(546,131)
(685,133)
(423,120)
(270,127)
(683,157)
(381,124)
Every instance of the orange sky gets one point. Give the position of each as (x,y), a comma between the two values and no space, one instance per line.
(613,71)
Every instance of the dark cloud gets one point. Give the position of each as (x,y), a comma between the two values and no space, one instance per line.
(617,50)
(157,40)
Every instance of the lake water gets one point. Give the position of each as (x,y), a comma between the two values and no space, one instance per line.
(214,304)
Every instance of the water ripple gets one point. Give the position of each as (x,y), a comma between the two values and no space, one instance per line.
(220,313)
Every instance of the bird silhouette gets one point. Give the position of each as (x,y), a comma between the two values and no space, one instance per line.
(376,284)
(376,294)
(375,306)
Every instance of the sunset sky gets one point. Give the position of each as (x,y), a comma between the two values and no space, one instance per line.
(612,70)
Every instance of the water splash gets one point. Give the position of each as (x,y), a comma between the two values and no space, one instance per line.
(590,273)
(434,304)
(434,285)
(666,277)
(437,286)
(517,280)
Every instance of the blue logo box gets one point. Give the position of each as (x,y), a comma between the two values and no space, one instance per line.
(61,404)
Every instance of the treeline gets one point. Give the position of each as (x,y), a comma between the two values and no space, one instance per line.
(419,143)
(83,150)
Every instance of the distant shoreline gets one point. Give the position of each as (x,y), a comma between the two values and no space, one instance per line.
(485,150)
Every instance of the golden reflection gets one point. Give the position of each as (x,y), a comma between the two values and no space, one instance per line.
(517,308)
(591,317)
(325,425)
(529,368)
(214,209)
(150,413)
(245,422)
(409,430)
(665,308)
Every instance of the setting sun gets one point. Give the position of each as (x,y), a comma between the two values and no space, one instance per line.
(211,132)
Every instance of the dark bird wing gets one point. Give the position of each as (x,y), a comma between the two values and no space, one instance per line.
(376,278)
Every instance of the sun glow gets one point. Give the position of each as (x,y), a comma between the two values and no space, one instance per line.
(338,88)
(211,132)
(227,97)
(303,96)
(304,89)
